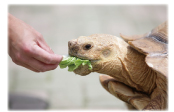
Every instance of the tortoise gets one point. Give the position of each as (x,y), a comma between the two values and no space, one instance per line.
(135,67)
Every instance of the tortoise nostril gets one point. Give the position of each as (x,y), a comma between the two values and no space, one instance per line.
(75,49)
(72,43)
(73,46)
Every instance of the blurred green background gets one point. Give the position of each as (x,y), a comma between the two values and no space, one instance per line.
(60,23)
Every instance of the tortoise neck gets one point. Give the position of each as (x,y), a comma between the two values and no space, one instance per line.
(137,72)
(131,69)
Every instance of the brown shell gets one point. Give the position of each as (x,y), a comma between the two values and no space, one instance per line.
(154,45)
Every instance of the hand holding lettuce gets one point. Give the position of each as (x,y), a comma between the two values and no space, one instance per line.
(73,63)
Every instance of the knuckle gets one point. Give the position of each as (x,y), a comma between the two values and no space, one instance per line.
(47,68)
(48,60)
(18,57)
(42,69)
(55,66)
(15,61)
(26,49)
(39,35)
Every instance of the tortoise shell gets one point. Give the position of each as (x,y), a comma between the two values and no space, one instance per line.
(154,45)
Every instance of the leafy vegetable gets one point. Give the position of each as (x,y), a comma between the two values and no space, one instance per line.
(73,63)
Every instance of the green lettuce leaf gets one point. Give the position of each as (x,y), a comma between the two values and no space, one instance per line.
(73,63)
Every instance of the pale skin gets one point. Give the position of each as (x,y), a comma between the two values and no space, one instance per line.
(27,47)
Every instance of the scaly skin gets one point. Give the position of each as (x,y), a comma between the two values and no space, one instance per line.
(113,56)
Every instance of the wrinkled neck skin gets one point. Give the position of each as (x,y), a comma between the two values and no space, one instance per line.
(129,67)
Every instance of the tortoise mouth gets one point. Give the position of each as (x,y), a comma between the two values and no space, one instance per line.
(84,57)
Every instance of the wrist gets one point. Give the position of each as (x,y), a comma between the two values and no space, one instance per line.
(10,24)
(15,26)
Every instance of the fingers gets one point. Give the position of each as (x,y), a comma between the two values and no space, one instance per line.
(27,66)
(44,56)
(18,60)
(42,67)
(30,61)
(33,64)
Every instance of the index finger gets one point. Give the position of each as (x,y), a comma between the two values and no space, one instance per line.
(44,56)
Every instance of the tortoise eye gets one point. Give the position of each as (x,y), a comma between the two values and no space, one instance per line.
(87,46)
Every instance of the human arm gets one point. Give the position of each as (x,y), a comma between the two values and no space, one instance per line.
(28,48)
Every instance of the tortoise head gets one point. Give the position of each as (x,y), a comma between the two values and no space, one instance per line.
(101,49)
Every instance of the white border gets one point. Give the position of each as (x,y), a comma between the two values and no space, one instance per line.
(3,36)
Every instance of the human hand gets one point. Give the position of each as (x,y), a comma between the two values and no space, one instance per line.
(125,93)
(28,48)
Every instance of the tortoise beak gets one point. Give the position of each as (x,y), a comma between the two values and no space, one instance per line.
(73,47)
